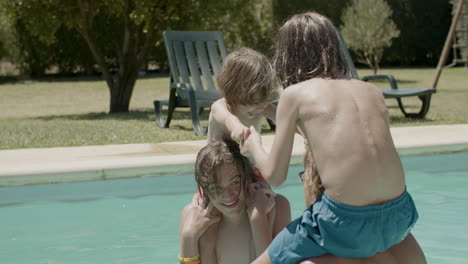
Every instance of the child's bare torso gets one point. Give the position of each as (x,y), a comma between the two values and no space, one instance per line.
(346,125)
(235,244)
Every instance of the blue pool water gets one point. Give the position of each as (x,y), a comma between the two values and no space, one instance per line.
(137,220)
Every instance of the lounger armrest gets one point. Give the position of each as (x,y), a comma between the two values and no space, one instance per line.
(388,77)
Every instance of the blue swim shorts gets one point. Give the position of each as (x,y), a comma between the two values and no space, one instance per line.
(346,231)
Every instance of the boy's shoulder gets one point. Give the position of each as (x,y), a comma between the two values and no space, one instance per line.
(219,103)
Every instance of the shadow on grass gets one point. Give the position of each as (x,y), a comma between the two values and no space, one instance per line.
(147,115)
(72,78)
(403,120)
(9,79)
(399,82)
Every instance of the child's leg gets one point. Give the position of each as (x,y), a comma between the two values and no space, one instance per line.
(263,258)
(408,251)
(381,258)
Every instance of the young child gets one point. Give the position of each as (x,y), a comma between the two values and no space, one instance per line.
(365,208)
(249,85)
(237,217)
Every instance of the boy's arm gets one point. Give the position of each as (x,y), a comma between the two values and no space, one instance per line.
(274,166)
(270,113)
(222,115)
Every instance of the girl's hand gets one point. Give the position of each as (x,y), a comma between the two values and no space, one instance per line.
(197,217)
(261,199)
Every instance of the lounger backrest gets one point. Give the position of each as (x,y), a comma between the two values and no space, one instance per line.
(195,57)
(351,69)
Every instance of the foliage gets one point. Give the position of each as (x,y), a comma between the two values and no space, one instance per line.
(423,23)
(461,33)
(283,9)
(122,36)
(424,26)
(368,29)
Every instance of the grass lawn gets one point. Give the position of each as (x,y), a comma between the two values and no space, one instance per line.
(73,111)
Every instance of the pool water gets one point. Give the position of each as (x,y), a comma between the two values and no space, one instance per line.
(137,220)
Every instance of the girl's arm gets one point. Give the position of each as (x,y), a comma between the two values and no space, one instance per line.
(197,222)
(283,214)
(261,204)
(207,245)
(274,166)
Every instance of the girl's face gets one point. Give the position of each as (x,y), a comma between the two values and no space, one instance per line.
(228,194)
(251,111)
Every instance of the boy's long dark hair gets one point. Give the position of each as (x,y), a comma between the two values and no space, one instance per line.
(308,47)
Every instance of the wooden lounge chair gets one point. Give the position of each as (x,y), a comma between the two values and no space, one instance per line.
(195,58)
(424,94)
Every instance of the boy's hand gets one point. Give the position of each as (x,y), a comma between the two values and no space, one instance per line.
(240,134)
(252,141)
(197,217)
(261,199)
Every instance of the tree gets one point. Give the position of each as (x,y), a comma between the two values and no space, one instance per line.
(121,34)
(368,29)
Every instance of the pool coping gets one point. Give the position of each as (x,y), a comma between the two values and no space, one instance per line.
(89,163)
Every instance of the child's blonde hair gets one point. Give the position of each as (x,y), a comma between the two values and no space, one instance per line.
(247,78)
(308,46)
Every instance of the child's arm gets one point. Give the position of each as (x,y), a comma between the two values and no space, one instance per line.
(197,226)
(274,167)
(270,112)
(260,204)
(221,114)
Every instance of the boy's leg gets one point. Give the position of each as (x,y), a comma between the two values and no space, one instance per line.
(380,258)
(408,251)
(263,258)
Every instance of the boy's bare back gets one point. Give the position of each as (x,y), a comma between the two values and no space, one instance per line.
(345,122)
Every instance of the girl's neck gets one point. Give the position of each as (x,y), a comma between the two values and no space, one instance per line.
(237,219)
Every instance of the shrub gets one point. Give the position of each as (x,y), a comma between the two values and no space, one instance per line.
(368,29)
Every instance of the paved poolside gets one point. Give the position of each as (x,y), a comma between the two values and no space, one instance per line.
(53,165)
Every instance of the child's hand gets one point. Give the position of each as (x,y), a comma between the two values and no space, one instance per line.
(197,217)
(252,140)
(261,199)
(240,134)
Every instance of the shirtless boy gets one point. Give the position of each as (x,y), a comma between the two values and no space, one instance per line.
(365,208)
(249,84)
(237,217)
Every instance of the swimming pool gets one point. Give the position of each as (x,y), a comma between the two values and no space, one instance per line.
(137,220)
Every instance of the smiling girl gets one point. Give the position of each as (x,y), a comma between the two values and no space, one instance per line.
(234,217)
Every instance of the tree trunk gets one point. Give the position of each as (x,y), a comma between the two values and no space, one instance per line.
(131,55)
(121,93)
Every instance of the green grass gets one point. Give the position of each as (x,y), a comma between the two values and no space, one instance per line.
(73,111)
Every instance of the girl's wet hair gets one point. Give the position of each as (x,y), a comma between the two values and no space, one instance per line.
(308,46)
(216,154)
(247,77)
